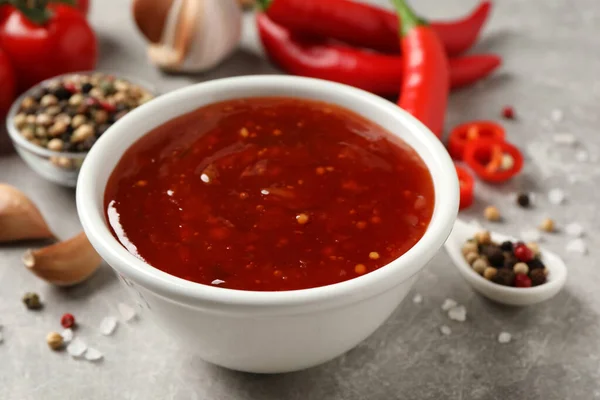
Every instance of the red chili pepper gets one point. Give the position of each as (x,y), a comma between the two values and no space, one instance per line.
(67,321)
(464,133)
(376,73)
(467,187)
(487,156)
(425,85)
(363,25)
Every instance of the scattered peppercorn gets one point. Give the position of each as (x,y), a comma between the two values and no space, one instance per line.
(506,246)
(522,281)
(508,112)
(538,277)
(521,268)
(483,237)
(510,260)
(535,264)
(32,301)
(480,266)
(492,213)
(547,225)
(523,200)
(67,321)
(54,340)
(523,253)
(504,277)
(78,107)
(494,255)
(489,273)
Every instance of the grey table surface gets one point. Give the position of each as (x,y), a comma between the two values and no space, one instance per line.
(551,55)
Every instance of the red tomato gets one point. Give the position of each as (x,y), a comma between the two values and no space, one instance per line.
(7,84)
(65,43)
(83,6)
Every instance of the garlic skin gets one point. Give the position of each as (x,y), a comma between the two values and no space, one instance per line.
(20,218)
(196,35)
(65,263)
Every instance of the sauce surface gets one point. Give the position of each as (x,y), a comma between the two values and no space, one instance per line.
(269,194)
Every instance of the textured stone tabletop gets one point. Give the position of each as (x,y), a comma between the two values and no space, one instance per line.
(552,61)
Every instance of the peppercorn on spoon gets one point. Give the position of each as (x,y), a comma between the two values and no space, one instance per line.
(514,296)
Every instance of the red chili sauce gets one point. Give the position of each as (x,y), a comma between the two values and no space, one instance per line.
(269,194)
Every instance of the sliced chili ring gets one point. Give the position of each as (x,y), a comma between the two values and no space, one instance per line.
(467,187)
(493,160)
(469,131)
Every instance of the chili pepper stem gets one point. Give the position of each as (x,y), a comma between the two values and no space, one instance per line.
(36,10)
(408,19)
(264,4)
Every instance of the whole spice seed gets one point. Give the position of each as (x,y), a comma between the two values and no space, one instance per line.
(54,340)
(521,268)
(494,255)
(67,321)
(504,277)
(489,273)
(538,277)
(522,281)
(547,225)
(32,301)
(470,247)
(508,112)
(492,213)
(471,257)
(483,237)
(523,200)
(480,265)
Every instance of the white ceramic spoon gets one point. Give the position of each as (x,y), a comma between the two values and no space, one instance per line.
(557,271)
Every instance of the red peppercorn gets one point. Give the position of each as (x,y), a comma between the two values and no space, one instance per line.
(70,86)
(522,281)
(67,320)
(508,112)
(523,253)
(108,107)
(91,102)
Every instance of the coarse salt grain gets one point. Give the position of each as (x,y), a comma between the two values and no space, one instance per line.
(67,335)
(76,348)
(93,355)
(531,235)
(556,196)
(445,330)
(108,325)
(418,299)
(504,337)
(574,229)
(565,138)
(448,304)
(556,115)
(577,246)
(217,282)
(458,313)
(127,312)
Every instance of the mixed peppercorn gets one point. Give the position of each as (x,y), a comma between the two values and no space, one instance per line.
(69,114)
(509,263)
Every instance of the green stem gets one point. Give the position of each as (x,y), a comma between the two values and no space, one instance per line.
(264,4)
(36,10)
(406,17)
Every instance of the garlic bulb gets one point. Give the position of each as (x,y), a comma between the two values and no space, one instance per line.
(189,35)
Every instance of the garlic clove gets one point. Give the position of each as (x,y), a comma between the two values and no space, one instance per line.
(196,35)
(150,17)
(20,219)
(65,263)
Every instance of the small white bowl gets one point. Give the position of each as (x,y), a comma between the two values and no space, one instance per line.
(557,271)
(266,332)
(60,167)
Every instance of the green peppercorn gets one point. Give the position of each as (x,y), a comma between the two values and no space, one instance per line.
(32,301)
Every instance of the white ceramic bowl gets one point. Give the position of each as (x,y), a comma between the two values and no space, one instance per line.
(60,167)
(512,296)
(267,332)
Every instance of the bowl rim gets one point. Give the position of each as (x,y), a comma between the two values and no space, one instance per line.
(19,140)
(385,278)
